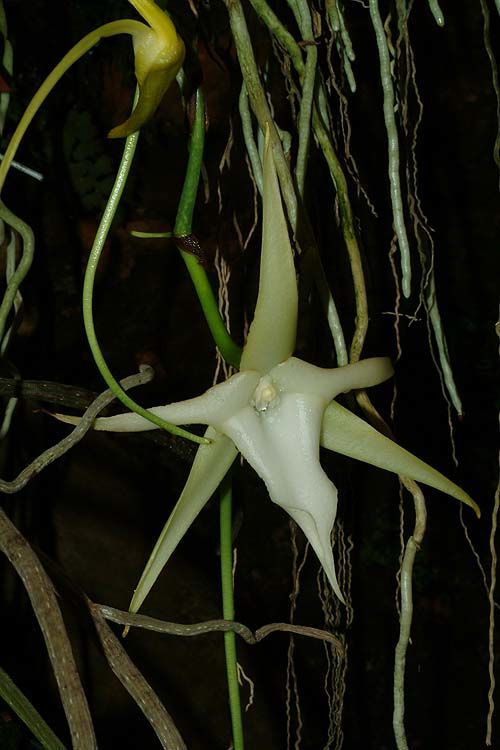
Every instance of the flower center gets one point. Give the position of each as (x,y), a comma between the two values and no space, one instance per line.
(265,395)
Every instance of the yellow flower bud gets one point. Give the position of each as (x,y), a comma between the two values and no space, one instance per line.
(159,53)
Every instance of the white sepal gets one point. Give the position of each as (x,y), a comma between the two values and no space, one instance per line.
(271,338)
(344,432)
(209,468)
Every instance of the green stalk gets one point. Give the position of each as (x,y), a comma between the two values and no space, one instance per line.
(183,226)
(125,26)
(226,567)
(88,291)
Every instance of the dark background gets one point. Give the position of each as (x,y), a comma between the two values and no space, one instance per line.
(98,511)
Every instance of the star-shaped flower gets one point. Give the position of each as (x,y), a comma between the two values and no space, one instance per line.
(275,411)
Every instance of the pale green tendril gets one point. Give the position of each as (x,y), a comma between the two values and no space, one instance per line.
(494,74)
(10,269)
(393,147)
(442,346)
(250,144)
(342,40)
(24,265)
(406,617)
(306,103)
(88,290)
(437,12)
(151,235)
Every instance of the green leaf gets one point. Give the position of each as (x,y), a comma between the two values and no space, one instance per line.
(21,706)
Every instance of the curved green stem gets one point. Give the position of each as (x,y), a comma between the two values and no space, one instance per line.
(83,46)
(24,265)
(88,289)
(226,566)
(183,226)
(126,26)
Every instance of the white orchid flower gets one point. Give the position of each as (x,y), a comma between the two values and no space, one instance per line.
(275,411)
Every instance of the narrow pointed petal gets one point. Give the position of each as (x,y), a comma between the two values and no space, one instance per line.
(319,539)
(212,407)
(282,445)
(271,338)
(210,465)
(346,433)
(297,376)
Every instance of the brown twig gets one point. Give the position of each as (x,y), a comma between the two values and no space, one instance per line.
(46,608)
(135,683)
(56,451)
(210,626)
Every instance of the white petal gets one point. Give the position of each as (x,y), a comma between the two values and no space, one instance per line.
(271,338)
(212,407)
(346,433)
(210,465)
(297,376)
(320,540)
(282,445)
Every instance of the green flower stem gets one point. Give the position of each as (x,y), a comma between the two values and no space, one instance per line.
(21,706)
(88,290)
(183,226)
(226,566)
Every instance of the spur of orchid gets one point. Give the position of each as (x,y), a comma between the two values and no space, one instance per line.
(276,411)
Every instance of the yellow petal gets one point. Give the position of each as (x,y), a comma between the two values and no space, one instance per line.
(159,53)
